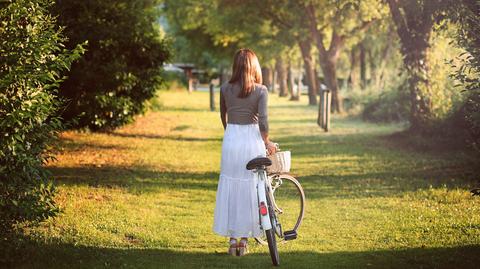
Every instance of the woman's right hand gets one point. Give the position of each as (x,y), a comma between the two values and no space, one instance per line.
(271,147)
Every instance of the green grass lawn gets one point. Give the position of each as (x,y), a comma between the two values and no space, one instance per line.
(143,196)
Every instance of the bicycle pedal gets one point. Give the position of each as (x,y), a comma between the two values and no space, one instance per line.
(290,235)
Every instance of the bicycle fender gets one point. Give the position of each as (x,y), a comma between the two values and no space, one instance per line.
(262,198)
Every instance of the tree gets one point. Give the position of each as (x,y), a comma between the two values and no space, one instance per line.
(414,21)
(196,40)
(465,14)
(32,57)
(330,30)
(122,66)
(305,45)
(235,23)
(292,28)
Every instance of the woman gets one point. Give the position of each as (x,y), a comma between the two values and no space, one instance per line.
(243,110)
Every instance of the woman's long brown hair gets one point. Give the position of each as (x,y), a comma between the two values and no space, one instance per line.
(246,71)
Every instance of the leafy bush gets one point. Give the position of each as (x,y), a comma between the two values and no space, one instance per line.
(468,72)
(174,80)
(122,66)
(31,58)
(389,106)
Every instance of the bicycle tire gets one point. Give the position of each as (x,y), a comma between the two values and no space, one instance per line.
(301,211)
(298,194)
(270,234)
(272,246)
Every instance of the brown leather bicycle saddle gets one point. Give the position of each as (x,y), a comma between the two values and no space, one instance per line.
(258,162)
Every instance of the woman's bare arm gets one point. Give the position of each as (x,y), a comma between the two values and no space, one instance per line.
(263,121)
(223,110)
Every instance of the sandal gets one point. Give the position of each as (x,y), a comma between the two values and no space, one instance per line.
(242,247)
(232,250)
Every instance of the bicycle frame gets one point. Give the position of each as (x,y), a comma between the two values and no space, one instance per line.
(273,188)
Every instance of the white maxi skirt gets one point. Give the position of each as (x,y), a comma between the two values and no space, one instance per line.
(236,209)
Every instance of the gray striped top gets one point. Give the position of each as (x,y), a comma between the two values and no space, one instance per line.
(248,110)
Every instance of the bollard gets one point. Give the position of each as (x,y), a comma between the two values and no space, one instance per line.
(324,109)
(327,110)
(212,97)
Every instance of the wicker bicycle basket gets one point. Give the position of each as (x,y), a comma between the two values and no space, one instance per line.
(280,162)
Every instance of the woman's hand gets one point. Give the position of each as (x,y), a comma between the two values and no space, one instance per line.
(271,147)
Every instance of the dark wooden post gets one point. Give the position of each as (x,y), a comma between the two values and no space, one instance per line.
(212,97)
(274,80)
(324,109)
(328,109)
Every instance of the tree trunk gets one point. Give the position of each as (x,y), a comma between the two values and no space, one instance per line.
(282,77)
(291,83)
(305,48)
(274,80)
(267,77)
(299,84)
(223,75)
(378,72)
(414,39)
(353,78)
(328,63)
(189,75)
(328,57)
(329,68)
(421,105)
(363,67)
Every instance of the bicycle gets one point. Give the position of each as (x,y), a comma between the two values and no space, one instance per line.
(281,199)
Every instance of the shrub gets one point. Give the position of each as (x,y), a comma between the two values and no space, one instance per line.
(122,66)
(174,80)
(465,13)
(31,58)
(389,106)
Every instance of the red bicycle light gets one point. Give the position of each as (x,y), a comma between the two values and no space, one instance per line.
(263,209)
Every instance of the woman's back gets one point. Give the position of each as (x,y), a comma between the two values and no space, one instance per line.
(248,110)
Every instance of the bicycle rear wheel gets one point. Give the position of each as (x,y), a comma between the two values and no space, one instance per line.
(272,246)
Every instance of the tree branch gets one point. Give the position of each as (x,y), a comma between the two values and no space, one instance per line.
(399,20)
(316,34)
(364,26)
(278,22)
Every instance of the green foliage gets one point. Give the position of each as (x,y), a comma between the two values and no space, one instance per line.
(388,106)
(468,70)
(32,58)
(198,35)
(444,96)
(415,21)
(122,66)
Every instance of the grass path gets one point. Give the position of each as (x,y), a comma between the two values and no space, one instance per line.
(143,196)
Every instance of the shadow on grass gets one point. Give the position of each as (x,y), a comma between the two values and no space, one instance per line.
(167,137)
(434,144)
(40,255)
(183,109)
(381,184)
(393,169)
(70,144)
(134,179)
